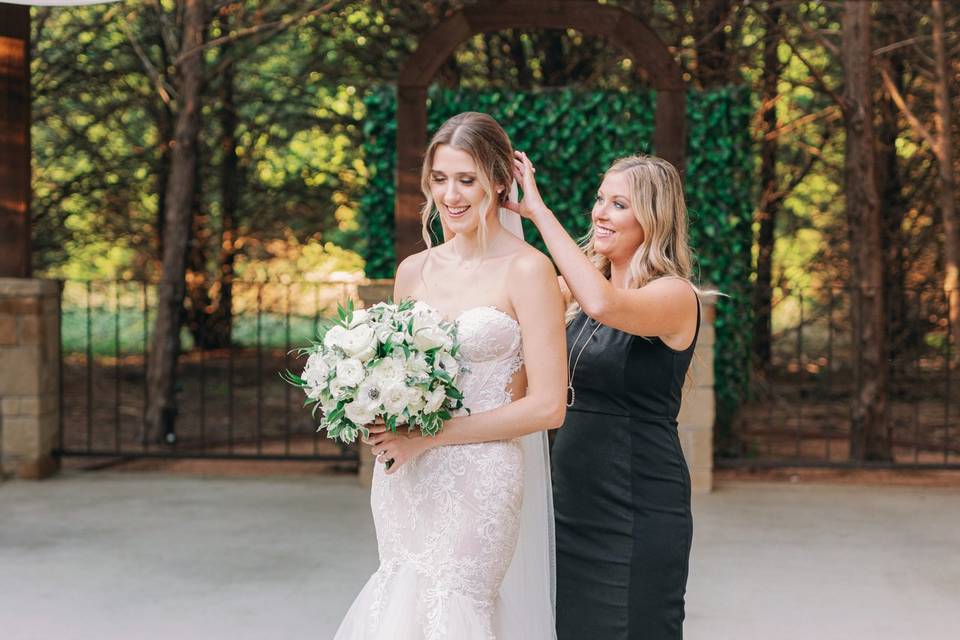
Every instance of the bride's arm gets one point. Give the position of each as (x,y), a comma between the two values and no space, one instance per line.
(535,296)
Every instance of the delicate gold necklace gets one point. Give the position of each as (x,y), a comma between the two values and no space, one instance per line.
(571,394)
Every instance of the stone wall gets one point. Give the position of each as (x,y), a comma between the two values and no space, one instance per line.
(29,376)
(697,411)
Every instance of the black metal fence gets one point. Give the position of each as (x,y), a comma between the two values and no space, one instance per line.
(231,401)
(800,407)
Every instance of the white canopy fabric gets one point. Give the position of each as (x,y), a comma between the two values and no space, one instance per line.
(57,3)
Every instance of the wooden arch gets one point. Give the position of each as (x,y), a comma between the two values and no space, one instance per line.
(622,28)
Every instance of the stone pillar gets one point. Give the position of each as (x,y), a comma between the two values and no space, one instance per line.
(371,292)
(29,376)
(698,409)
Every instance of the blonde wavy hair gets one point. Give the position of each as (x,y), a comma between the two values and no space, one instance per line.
(656,198)
(488,144)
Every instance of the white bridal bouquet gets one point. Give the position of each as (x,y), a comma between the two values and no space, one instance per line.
(392,361)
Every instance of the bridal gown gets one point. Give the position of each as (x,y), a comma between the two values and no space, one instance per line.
(448,521)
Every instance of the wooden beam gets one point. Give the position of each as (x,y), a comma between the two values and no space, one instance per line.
(411,145)
(622,28)
(14,141)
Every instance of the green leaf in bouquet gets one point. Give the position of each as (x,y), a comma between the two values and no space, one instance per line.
(392,423)
(292,378)
(322,328)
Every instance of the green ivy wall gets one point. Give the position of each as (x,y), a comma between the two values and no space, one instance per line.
(573,136)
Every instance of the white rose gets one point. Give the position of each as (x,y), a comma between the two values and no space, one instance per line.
(435,400)
(361,413)
(390,370)
(350,372)
(425,314)
(383,332)
(337,389)
(315,370)
(415,400)
(448,363)
(431,338)
(331,357)
(417,363)
(334,337)
(394,398)
(359,317)
(360,342)
(315,374)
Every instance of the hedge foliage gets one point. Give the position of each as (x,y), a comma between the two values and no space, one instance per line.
(573,136)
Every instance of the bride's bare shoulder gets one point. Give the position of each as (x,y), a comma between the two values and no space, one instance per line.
(411,263)
(530,263)
(408,271)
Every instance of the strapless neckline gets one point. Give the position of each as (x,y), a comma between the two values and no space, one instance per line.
(483,307)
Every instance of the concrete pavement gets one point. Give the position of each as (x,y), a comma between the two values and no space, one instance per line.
(112,555)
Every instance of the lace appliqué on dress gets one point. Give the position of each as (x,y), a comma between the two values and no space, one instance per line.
(449,520)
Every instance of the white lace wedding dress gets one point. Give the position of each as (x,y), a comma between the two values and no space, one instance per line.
(449,522)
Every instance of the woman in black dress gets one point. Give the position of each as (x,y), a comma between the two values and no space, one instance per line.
(621,485)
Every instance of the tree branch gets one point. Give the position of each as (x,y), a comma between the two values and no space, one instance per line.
(167,92)
(813,71)
(831,113)
(272,28)
(897,98)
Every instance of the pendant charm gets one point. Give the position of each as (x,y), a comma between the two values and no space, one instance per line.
(571,395)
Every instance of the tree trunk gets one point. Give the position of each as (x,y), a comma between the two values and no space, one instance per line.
(199,302)
(161,372)
(220,325)
(554,67)
(766,215)
(893,205)
(869,439)
(947,186)
(519,57)
(714,56)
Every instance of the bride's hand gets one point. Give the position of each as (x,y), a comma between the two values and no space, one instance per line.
(532,204)
(396,449)
(378,427)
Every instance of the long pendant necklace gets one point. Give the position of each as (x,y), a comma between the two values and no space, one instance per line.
(571,394)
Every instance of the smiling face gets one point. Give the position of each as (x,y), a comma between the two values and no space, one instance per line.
(456,189)
(617,233)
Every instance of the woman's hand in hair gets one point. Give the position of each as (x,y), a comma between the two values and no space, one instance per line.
(531,206)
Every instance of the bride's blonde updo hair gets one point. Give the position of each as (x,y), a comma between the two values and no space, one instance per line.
(488,144)
(656,198)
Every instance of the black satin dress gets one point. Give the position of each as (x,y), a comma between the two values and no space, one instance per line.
(622,490)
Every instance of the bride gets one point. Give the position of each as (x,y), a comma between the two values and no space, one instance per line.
(464,524)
